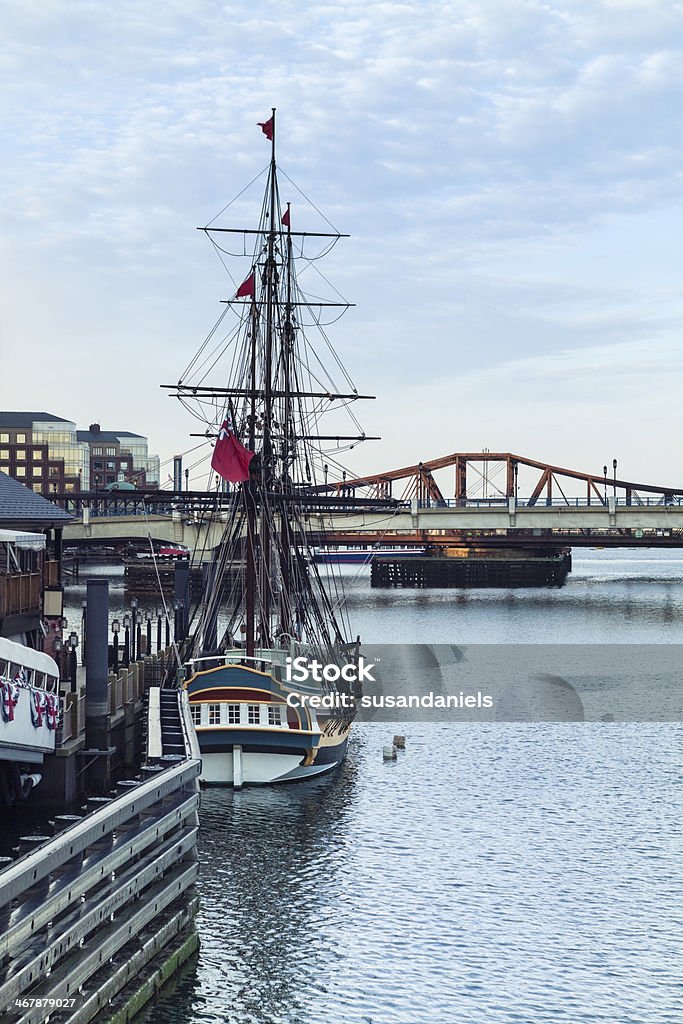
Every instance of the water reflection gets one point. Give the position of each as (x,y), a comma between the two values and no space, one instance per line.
(493,874)
(275,867)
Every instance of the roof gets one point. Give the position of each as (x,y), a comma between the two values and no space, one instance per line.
(25,419)
(105,435)
(20,505)
(18,654)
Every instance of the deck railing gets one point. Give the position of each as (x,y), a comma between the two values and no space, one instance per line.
(20,592)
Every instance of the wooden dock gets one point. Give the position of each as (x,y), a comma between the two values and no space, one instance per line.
(480,571)
(140,577)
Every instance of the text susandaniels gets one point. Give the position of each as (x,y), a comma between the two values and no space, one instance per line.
(392,701)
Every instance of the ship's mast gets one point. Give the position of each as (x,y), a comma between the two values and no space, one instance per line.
(279,394)
(249,498)
(267,467)
(288,442)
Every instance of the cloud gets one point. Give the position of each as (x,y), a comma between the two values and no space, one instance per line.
(495,163)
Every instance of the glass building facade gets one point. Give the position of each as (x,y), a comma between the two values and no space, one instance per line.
(52,456)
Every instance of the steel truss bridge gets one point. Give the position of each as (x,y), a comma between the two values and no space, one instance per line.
(473,498)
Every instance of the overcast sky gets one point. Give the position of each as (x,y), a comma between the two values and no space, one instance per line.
(510,173)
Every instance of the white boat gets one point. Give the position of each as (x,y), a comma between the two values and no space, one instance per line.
(29,716)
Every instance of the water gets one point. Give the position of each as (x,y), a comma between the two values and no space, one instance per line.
(526,873)
(489,875)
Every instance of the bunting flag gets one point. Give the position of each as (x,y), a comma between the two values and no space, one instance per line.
(267,128)
(230,458)
(285,218)
(9,698)
(247,288)
(38,707)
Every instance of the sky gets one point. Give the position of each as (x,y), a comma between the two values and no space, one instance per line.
(509,172)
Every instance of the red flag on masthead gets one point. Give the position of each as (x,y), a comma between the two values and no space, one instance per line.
(267,128)
(230,458)
(246,289)
(285,218)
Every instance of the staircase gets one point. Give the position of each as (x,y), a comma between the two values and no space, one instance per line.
(166,736)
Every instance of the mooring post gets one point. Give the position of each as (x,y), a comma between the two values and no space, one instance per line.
(97,712)
(182,595)
(210,640)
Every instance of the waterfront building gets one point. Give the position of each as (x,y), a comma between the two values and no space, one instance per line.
(42,451)
(51,456)
(117,456)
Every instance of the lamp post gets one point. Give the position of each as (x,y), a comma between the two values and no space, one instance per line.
(133,638)
(57,649)
(149,632)
(126,640)
(614,467)
(84,623)
(604,469)
(158,615)
(115,627)
(73,660)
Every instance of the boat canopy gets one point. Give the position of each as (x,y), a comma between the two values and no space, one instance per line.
(12,653)
(32,541)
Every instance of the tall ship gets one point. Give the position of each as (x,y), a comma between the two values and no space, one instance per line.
(270,667)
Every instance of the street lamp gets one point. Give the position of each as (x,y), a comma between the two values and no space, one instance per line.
(57,649)
(158,615)
(115,627)
(604,469)
(134,614)
(73,661)
(614,467)
(126,640)
(148,616)
(84,626)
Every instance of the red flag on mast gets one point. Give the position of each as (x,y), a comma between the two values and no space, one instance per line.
(285,218)
(230,458)
(247,288)
(267,128)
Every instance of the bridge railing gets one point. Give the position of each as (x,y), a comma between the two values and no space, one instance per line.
(595,503)
(89,909)
(196,503)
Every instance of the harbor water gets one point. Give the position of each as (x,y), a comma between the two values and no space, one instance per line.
(494,873)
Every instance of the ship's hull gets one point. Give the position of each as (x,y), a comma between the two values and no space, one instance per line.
(238,765)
